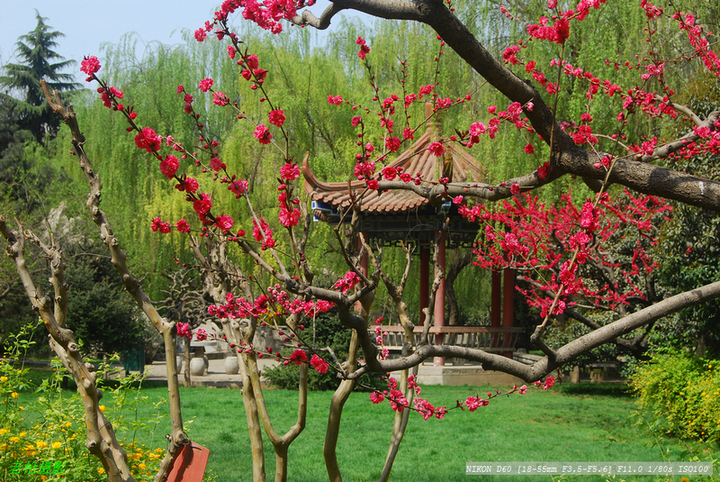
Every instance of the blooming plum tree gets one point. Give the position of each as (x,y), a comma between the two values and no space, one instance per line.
(562,252)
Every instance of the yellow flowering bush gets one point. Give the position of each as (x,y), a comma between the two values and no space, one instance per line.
(42,438)
(683,393)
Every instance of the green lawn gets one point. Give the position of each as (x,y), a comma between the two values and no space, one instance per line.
(569,423)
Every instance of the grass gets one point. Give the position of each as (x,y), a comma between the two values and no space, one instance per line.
(569,423)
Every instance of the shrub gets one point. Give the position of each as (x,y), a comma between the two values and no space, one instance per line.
(43,439)
(683,393)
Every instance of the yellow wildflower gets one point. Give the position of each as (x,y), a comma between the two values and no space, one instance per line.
(56,445)
(22,434)
(14,394)
(141,466)
(3,431)
(14,439)
(41,444)
(101,471)
(102,408)
(3,379)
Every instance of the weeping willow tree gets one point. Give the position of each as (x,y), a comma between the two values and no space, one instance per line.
(307,67)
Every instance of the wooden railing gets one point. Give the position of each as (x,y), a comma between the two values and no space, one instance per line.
(483,337)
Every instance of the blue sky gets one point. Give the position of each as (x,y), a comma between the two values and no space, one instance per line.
(88,24)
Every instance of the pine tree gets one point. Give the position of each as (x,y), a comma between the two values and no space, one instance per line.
(36,54)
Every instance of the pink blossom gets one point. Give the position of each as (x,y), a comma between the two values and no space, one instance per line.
(238,187)
(377,397)
(544,170)
(373,184)
(457,199)
(201,335)
(189,185)
(224,222)
(169,166)
(231,51)
(216,164)
(183,329)
(529,149)
(398,402)
(587,218)
(549,382)
(90,66)
(158,225)
(355,121)
(200,34)
(408,134)
(515,189)
(392,143)
(364,49)
(262,134)
(523,390)
(205,84)
(182,226)
(425,90)
(149,140)
(252,61)
(288,218)
(298,357)
(389,173)
(276,117)
(289,171)
(437,149)
(220,99)
(202,205)
(319,364)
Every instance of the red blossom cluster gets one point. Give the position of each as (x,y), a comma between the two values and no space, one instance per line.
(184,331)
(380,340)
(566,250)
(364,49)
(263,234)
(698,40)
(90,66)
(347,282)
(276,300)
(512,114)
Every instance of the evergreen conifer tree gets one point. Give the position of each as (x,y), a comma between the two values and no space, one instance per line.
(38,60)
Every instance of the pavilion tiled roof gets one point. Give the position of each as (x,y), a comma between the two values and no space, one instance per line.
(415,160)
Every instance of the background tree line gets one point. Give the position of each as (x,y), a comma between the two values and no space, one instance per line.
(36,175)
